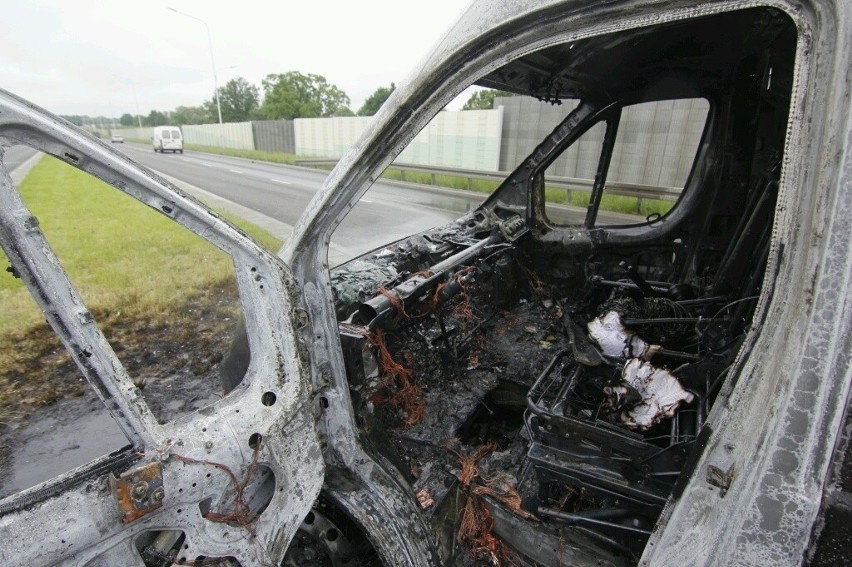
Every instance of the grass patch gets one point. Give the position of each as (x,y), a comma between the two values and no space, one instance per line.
(448,181)
(609,202)
(119,253)
(629,205)
(263,237)
(557,196)
(274,157)
(164,297)
(655,206)
(173,358)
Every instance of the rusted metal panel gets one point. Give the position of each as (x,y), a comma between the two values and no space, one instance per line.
(138,491)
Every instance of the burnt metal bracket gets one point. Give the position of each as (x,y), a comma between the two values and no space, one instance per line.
(721,476)
(513,228)
(138,491)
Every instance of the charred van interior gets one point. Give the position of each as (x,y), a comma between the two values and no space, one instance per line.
(543,387)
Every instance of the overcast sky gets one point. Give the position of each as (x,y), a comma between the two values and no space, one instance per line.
(97,57)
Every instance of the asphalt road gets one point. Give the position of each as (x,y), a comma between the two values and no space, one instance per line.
(386,213)
(16,155)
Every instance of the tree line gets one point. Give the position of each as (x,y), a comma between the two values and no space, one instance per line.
(285,96)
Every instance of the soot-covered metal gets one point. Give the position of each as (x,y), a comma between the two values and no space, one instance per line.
(472,353)
(508,390)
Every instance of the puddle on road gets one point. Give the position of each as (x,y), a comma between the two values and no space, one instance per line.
(72,433)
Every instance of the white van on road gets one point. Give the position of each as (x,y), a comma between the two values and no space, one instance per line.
(167,138)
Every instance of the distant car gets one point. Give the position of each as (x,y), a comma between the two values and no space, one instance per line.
(116,139)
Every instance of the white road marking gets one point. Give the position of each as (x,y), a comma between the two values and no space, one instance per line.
(279,181)
(196,160)
(236,171)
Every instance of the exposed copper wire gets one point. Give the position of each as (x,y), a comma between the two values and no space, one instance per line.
(476,528)
(240,512)
(407,393)
(394,299)
(463,307)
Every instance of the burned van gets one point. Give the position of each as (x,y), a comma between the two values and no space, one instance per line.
(546,380)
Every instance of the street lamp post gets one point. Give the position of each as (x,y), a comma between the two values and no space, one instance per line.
(136,98)
(135,95)
(212,60)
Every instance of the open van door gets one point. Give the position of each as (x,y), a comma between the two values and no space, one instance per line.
(234,479)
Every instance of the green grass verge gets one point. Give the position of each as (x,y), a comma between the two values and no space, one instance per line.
(611,203)
(448,181)
(274,157)
(119,253)
(263,237)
